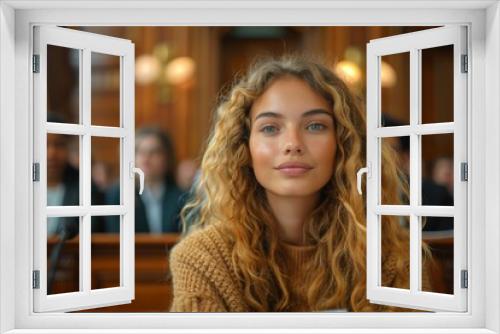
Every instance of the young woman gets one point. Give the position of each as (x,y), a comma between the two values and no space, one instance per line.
(279,223)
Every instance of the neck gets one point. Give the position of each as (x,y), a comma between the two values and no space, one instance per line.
(291,212)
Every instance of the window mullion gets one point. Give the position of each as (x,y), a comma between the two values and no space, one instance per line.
(415,157)
(85,242)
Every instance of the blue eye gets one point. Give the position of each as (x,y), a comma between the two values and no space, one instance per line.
(269,129)
(316,126)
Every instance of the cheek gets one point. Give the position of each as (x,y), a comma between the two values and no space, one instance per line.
(262,153)
(140,159)
(158,162)
(324,151)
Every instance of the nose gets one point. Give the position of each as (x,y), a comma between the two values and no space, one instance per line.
(293,143)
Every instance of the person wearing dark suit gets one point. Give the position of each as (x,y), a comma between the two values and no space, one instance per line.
(157,209)
(63,185)
(432,193)
(171,203)
(435,194)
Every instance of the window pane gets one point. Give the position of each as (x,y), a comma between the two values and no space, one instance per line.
(437,84)
(63,85)
(63,249)
(395,245)
(105,252)
(437,170)
(395,91)
(105,90)
(395,193)
(105,171)
(63,174)
(438,269)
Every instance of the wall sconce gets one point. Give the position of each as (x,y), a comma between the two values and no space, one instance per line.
(164,70)
(388,75)
(349,69)
(180,70)
(147,69)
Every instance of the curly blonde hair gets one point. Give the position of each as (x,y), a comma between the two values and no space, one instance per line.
(228,191)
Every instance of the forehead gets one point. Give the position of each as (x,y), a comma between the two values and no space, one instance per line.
(289,96)
(148,141)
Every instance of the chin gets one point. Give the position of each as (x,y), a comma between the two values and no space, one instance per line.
(294,191)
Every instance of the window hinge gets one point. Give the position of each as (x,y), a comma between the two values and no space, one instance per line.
(465,66)
(464,171)
(36,279)
(465,279)
(36,171)
(36,63)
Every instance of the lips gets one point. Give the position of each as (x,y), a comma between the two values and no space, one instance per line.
(294,165)
(294,168)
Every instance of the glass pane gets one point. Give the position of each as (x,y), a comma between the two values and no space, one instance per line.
(105,171)
(393,193)
(105,83)
(437,169)
(63,85)
(395,245)
(63,250)
(437,269)
(63,173)
(105,261)
(437,84)
(395,89)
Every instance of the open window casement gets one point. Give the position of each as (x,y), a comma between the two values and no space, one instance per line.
(415,45)
(73,221)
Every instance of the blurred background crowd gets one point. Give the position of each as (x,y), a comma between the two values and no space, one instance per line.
(180,72)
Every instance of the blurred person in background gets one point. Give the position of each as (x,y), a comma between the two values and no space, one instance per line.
(157,209)
(186,172)
(442,173)
(432,193)
(63,181)
(101,175)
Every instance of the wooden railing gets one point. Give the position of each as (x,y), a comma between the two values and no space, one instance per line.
(153,289)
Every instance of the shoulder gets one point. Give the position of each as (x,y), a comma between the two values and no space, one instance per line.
(171,189)
(113,190)
(201,265)
(202,249)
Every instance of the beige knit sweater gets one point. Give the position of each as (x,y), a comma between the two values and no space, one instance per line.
(204,281)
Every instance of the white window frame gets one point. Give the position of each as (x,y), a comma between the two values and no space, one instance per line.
(16,19)
(85,44)
(413,44)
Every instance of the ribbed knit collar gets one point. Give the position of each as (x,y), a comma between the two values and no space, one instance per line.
(297,248)
(296,255)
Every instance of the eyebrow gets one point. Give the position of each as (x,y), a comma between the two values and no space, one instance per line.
(306,114)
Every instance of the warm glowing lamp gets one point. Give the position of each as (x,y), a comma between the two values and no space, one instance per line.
(147,69)
(348,71)
(388,74)
(180,70)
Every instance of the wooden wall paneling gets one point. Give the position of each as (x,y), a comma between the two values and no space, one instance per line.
(146,96)
(180,98)
(205,52)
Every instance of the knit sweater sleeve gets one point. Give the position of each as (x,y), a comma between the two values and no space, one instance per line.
(193,288)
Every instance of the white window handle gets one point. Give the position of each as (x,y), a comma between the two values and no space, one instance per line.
(360,173)
(137,170)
